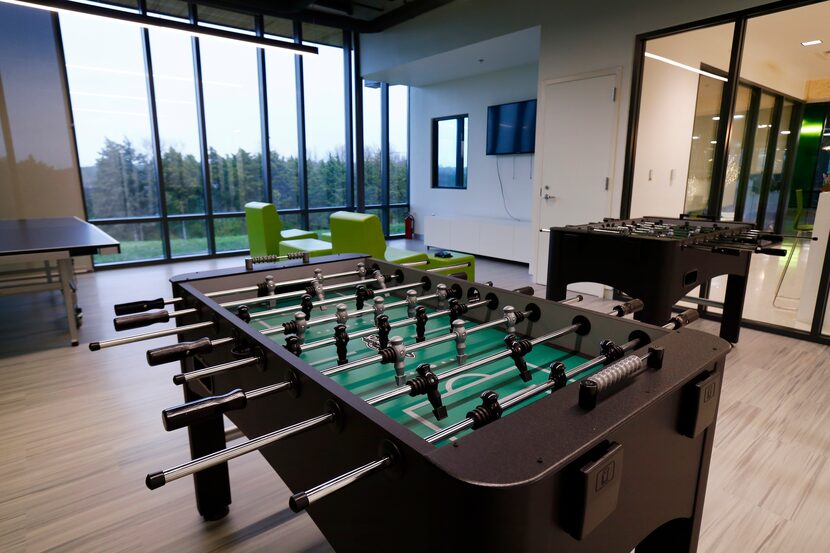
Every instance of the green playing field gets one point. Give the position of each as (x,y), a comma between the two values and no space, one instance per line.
(460,393)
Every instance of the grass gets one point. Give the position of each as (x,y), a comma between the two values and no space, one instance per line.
(142,250)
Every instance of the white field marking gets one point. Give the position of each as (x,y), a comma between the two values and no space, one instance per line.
(450,391)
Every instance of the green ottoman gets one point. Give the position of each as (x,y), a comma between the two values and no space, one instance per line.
(455,259)
(324,235)
(314,247)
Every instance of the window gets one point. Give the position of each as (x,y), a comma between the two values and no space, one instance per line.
(449,152)
(325,127)
(107,81)
(169,159)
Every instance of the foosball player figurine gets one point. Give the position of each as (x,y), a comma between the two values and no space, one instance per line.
(460,332)
(243,313)
(411,302)
(306,306)
(297,326)
(341,341)
(292,344)
(426,383)
(384,328)
(420,323)
(378,307)
(518,349)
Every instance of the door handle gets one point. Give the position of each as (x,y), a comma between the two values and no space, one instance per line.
(548,197)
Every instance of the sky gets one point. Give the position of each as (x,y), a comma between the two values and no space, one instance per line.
(105,69)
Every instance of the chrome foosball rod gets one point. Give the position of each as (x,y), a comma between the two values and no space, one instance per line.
(267,287)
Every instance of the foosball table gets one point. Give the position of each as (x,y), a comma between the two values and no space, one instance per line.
(660,260)
(411,411)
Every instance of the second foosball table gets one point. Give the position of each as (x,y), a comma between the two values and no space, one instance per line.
(410,411)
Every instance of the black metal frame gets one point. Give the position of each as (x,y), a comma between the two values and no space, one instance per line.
(352,84)
(460,143)
(739,19)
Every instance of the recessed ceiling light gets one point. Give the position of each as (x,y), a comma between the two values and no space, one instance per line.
(739,116)
(695,138)
(713,142)
(811,43)
(785,132)
(716,118)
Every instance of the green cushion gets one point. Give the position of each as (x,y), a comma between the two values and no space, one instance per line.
(295,234)
(263,228)
(456,259)
(397,255)
(362,233)
(357,233)
(313,246)
(324,235)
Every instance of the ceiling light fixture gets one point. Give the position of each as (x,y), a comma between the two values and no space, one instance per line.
(147,22)
(811,42)
(686,67)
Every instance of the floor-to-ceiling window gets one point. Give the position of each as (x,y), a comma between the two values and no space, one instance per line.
(173,130)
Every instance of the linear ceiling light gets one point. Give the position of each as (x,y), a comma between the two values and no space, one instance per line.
(811,43)
(686,67)
(132,18)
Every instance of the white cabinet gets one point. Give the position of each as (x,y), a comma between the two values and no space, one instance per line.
(499,238)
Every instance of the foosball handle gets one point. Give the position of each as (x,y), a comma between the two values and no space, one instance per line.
(139,320)
(686,317)
(526,290)
(780,252)
(177,352)
(192,412)
(138,306)
(631,306)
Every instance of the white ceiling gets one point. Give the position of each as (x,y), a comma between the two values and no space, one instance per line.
(495,54)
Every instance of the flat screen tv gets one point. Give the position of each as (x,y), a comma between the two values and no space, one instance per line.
(511,128)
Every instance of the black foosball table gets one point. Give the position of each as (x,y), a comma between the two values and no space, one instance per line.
(410,411)
(659,260)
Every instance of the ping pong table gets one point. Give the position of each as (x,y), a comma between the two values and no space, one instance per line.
(29,241)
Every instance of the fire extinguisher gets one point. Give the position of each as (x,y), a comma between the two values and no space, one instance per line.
(409,226)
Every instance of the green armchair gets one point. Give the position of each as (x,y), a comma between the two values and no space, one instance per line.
(265,230)
(361,233)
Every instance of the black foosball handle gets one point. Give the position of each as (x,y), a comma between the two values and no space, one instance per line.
(779,252)
(526,290)
(192,412)
(177,352)
(139,320)
(138,306)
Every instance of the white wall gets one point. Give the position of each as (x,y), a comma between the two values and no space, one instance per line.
(472,96)
(577,37)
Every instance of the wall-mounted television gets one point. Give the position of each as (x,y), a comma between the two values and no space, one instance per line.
(511,128)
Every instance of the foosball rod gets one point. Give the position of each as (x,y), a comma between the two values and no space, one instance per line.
(182,350)
(182,378)
(128,322)
(301,500)
(95,346)
(293,308)
(396,342)
(188,413)
(159,303)
(157,479)
(522,395)
(618,310)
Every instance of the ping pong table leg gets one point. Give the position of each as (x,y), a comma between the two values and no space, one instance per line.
(69,299)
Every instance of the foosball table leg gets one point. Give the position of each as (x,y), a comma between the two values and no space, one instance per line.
(212,485)
(733,307)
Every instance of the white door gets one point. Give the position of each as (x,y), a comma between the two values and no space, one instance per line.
(577,158)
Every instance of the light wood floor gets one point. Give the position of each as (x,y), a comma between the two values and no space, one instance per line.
(80,430)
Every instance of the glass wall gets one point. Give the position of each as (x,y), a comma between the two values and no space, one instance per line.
(759,152)
(172,131)
(107,83)
(325,124)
